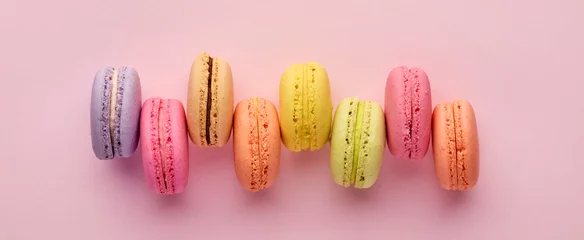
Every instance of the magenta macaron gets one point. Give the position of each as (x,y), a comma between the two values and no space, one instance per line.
(408,112)
(164,145)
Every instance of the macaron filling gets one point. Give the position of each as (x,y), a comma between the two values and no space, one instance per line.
(162,145)
(208,108)
(349,153)
(363,129)
(113,98)
(357,141)
(113,95)
(209,101)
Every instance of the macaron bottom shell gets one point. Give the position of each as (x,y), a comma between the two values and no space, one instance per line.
(256,143)
(357,143)
(164,145)
(455,145)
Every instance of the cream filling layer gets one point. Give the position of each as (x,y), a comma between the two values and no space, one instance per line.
(113,101)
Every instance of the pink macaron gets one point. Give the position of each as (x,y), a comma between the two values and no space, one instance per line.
(165,153)
(408,112)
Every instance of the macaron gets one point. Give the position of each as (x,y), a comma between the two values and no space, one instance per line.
(256,143)
(305,107)
(165,155)
(357,143)
(210,101)
(116,100)
(455,145)
(408,112)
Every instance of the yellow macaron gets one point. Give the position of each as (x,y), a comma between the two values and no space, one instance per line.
(305,107)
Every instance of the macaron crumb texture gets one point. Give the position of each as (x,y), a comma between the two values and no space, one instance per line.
(455,145)
(357,143)
(256,143)
(115,112)
(210,101)
(408,107)
(305,107)
(164,145)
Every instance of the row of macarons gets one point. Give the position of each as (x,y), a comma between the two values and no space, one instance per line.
(358,130)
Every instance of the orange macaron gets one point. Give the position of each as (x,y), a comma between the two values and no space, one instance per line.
(256,143)
(455,145)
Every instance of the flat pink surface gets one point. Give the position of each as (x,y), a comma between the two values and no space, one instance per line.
(517,62)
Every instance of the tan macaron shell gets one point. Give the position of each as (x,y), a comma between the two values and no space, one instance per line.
(455,145)
(256,143)
(221,115)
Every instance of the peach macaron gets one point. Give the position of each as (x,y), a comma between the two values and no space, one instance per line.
(256,143)
(455,145)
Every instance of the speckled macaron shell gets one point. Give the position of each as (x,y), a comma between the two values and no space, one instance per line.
(357,143)
(408,112)
(124,140)
(256,143)
(455,145)
(165,154)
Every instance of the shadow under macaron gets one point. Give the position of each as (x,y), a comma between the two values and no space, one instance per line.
(407,174)
(305,160)
(211,167)
(405,169)
(130,168)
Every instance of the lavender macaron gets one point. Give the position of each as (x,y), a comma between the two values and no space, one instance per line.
(116,101)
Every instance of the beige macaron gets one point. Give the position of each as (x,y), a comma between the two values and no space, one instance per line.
(210,101)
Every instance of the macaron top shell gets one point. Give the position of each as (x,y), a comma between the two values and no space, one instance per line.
(115,112)
(256,143)
(357,143)
(455,145)
(408,112)
(210,101)
(164,145)
(305,107)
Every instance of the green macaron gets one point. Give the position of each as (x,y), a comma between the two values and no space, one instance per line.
(357,142)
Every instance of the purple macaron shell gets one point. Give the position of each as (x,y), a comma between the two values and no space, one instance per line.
(127,116)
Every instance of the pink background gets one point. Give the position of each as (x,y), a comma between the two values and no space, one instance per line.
(517,63)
